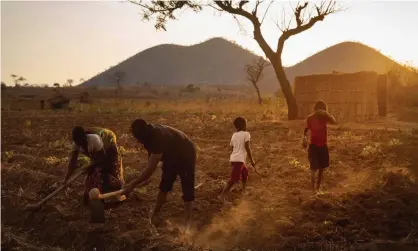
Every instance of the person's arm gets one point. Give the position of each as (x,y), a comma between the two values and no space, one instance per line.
(249,153)
(72,165)
(305,134)
(146,174)
(330,118)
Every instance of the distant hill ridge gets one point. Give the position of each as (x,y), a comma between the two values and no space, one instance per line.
(218,61)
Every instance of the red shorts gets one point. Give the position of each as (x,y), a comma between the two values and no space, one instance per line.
(239,172)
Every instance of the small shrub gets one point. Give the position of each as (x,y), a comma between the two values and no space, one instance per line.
(52,161)
(395,142)
(268,114)
(6,156)
(371,150)
(83,161)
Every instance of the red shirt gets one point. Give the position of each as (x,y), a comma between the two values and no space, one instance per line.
(318,126)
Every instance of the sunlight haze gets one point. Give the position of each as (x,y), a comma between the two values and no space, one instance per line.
(49,41)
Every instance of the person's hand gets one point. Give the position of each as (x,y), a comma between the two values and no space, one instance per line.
(129,188)
(305,142)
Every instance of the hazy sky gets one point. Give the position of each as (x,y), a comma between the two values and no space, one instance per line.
(51,41)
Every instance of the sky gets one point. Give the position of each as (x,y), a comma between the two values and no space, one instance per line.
(52,41)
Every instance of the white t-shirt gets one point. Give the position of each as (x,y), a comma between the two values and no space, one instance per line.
(239,153)
(94,144)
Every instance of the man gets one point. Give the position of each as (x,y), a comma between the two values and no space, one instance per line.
(178,154)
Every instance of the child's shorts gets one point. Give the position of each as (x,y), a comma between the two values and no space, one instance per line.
(239,172)
(318,157)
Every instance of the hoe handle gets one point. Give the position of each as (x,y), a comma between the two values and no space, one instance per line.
(39,204)
(122,191)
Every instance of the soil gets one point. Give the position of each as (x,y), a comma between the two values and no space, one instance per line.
(369,199)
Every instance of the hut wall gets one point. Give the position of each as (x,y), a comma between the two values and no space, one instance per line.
(350,97)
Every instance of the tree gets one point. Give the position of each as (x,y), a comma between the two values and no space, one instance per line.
(14,76)
(119,76)
(17,80)
(255,73)
(3,86)
(70,82)
(81,80)
(57,88)
(305,17)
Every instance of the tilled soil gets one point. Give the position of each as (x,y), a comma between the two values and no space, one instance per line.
(369,199)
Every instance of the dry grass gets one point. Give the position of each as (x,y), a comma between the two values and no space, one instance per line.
(370,190)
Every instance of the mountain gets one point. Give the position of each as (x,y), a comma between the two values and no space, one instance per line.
(346,57)
(216,61)
(220,62)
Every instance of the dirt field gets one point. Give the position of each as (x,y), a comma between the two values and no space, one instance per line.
(370,199)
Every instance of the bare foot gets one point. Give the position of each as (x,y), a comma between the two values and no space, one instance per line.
(152,223)
(169,226)
(186,230)
(244,191)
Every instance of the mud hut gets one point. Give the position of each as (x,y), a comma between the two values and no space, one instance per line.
(85,98)
(59,102)
(350,96)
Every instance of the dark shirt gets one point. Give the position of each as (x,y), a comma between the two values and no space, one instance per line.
(172,143)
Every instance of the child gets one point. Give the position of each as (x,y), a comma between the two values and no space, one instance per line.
(318,154)
(240,143)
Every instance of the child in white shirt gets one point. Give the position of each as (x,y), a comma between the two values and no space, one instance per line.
(240,143)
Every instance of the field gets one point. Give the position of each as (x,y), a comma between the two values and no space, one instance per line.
(370,198)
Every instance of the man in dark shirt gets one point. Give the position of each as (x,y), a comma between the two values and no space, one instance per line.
(178,154)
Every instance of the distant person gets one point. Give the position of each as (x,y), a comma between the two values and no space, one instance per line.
(318,154)
(105,171)
(240,144)
(178,154)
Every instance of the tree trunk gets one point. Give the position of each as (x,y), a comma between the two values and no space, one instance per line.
(292,106)
(260,100)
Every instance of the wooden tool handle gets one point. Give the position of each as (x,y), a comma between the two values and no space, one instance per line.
(39,204)
(105,196)
(111,195)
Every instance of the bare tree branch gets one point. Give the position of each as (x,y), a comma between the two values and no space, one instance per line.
(324,9)
(254,73)
(227,6)
(265,13)
(299,9)
(164,10)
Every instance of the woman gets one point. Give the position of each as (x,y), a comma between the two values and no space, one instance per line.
(105,171)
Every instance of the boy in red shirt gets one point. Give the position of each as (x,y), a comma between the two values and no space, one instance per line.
(318,154)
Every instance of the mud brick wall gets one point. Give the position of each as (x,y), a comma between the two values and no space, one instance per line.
(350,97)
